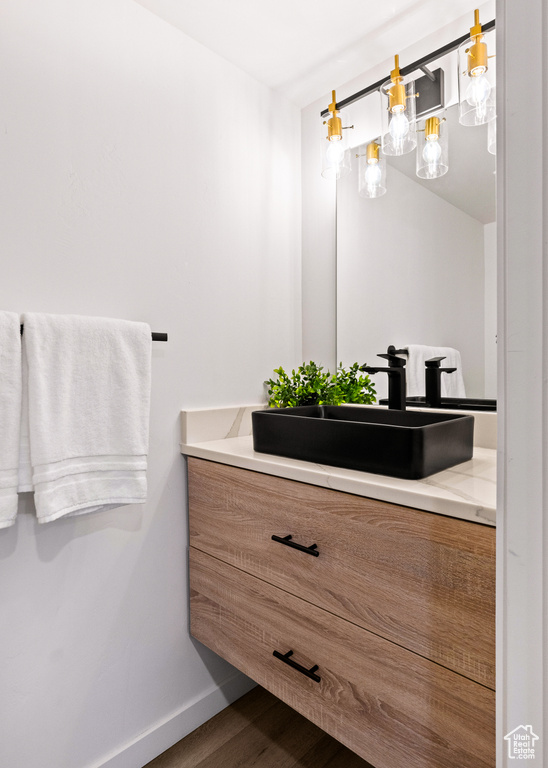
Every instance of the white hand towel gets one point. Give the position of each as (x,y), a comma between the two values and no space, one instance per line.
(88,412)
(452,384)
(10,414)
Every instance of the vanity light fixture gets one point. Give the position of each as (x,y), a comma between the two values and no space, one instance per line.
(398,113)
(372,172)
(400,109)
(335,154)
(476,86)
(432,150)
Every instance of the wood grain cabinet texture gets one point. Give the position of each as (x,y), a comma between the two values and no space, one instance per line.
(397,611)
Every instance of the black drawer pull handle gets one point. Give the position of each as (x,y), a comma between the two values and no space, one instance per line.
(311,550)
(285,657)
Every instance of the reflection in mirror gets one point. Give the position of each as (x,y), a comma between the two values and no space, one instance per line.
(418,265)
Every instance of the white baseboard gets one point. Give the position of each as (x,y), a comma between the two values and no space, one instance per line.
(164,734)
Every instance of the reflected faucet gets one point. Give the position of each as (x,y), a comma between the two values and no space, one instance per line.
(396,378)
(432,380)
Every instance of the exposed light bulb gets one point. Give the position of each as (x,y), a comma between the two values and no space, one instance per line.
(477,94)
(373,176)
(399,126)
(431,155)
(334,153)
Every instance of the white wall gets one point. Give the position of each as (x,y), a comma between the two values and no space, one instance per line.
(410,270)
(142,177)
(490,282)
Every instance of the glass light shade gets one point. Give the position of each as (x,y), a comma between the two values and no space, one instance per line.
(476,77)
(398,110)
(492,136)
(335,154)
(371,176)
(432,149)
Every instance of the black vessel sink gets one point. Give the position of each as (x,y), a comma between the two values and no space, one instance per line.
(452,403)
(388,442)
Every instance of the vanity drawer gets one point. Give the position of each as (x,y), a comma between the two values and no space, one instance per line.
(424,581)
(392,707)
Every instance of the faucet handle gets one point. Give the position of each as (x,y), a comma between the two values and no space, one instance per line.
(434,362)
(393,360)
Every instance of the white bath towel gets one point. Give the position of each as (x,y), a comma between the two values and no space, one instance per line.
(10,414)
(88,413)
(452,384)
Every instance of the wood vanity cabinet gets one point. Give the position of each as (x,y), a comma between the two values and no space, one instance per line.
(379,626)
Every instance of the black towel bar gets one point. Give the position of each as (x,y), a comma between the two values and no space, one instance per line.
(393,351)
(155,336)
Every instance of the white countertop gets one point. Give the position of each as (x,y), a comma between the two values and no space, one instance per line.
(466,491)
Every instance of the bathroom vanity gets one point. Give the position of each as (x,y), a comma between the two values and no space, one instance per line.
(373,619)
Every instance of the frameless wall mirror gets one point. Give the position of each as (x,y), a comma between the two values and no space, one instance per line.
(418,264)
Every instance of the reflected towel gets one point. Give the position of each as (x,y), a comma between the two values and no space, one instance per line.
(452,384)
(10,414)
(84,441)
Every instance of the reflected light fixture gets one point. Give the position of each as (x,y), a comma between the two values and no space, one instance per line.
(492,136)
(398,113)
(372,172)
(432,150)
(476,88)
(335,157)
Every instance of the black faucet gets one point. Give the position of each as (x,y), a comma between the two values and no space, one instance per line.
(396,378)
(432,381)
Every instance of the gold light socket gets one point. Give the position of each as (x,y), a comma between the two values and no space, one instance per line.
(477,58)
(334,124)
(396,98)
(372,152)
(334,129)
(477,53)
(432,128)
(396,93)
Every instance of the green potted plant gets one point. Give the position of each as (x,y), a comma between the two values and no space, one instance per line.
(311,385)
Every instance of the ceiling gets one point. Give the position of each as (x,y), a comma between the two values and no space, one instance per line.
(306,47)
(470,182)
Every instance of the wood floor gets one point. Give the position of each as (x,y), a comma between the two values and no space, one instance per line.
(258,731)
